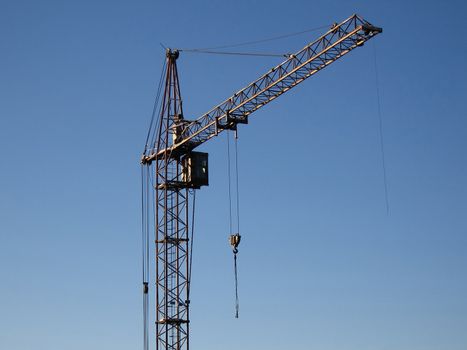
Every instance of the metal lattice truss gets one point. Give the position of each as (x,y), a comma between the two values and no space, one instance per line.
(172,198)
(337,42)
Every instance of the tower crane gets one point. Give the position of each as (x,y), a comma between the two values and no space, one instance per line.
(177,170)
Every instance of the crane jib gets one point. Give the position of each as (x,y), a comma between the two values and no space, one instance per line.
(338,41)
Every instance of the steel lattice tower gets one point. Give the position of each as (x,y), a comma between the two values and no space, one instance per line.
(172,197)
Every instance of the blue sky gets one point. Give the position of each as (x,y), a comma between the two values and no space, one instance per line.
(322,265)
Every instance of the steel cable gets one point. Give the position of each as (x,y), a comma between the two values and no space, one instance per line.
(233,242)
(381,136)
(191,243)
(283,36)
(145,251)
(151,133)
(237,303)
(208,50)
(229,180)
(238,188)
(259,54)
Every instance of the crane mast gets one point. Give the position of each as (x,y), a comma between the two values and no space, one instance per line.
(179,170)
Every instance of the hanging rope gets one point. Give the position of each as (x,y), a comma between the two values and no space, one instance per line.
(234,242)
(191,244)
(145,222)
(380,118)
(236,180)
(230,185)
(237,304)
(234,239)
(237,187)
(148,208)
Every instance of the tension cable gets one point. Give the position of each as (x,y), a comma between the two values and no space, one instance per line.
(152,131)
(209,50)
(259,54)
(283,36)
(381,139)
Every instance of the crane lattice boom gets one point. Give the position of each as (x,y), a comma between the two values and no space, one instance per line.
(338,41)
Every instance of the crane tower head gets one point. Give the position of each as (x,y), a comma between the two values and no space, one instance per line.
(173,54)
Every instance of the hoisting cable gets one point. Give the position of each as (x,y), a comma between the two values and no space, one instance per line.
(191,244)
(236,180)
(381,139)
(234,238)
(234,242)
(147,204)
(145,219)
(230,183)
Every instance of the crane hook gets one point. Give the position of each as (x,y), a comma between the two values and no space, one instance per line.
(234,241)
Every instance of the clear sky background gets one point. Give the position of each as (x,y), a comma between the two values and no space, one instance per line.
(322,264)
